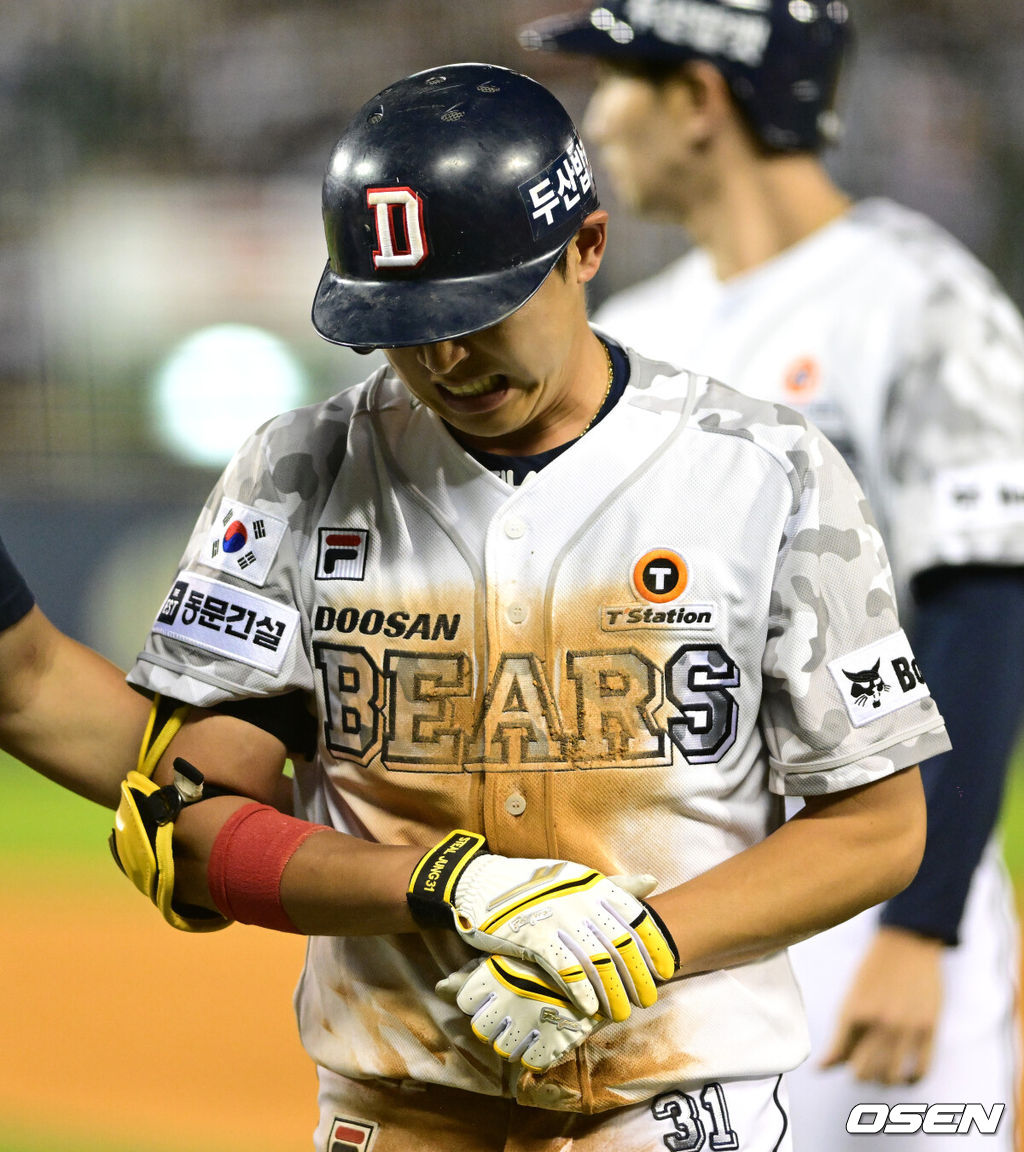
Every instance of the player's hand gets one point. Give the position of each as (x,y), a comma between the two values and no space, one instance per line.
(518,1011)
(601,945)
(888,1020)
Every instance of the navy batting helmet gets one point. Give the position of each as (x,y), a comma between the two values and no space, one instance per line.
(781,58)
(447,201)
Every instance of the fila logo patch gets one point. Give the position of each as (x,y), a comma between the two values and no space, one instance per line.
(341,553)
(351,1135)
(243,541)
(878,679)
(660,575)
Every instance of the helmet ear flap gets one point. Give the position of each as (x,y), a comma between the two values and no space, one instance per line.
(446,202)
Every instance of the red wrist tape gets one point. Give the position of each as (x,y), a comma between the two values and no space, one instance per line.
(247,860)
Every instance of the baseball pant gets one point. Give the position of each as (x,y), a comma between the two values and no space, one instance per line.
(389,1116)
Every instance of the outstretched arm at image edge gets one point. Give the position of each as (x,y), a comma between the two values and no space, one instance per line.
(67,711)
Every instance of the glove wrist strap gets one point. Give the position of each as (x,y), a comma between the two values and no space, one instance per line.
(433,881)
(663,929)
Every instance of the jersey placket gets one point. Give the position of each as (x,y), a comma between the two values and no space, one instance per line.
(520,727)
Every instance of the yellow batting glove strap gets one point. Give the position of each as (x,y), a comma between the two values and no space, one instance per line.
(161,728)
(432,883)
(148,859)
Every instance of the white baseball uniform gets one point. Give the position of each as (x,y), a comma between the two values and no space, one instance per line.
(627,660)
(894,341)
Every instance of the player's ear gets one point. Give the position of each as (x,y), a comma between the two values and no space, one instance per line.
(588,246)
(704,102)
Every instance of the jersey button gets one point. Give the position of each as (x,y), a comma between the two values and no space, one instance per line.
(516,613)
(515,804)
(550,1094)
(515,528)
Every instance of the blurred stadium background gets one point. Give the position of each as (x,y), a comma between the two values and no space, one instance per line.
(160,241)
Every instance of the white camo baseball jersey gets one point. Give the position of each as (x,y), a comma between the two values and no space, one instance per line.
(688,605)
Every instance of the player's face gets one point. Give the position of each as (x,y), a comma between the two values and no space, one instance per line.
(638,130)
(528,383)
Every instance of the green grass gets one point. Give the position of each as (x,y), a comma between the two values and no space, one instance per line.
(1012,822)
(38,819)
(15,1139)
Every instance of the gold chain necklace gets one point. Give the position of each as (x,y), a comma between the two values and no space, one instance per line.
(607,388)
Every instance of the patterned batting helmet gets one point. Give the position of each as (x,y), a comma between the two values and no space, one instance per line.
(781,58)
(447,201)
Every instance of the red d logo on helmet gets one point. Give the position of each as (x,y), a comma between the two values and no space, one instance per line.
(398,215)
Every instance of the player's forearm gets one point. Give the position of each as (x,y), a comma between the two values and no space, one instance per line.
(338,885)
(329,884)
(333,885)
(66,711)
(841,855)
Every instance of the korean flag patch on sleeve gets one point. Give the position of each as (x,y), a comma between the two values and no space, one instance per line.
(243,541)
(878,679)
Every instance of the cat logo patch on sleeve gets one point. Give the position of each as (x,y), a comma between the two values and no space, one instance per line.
(878,679)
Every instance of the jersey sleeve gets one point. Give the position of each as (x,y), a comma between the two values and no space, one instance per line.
(844,701)
(16,599)
(232,624)
(953,428)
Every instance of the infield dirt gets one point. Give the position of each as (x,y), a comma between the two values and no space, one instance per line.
(121,1032)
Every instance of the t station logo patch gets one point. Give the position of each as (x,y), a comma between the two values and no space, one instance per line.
(660,576)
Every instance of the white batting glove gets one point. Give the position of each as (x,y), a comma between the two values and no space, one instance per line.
(522,1015)
(600,944)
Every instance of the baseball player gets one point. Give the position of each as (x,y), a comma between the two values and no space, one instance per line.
(549,630)
(890,337)
(46,674)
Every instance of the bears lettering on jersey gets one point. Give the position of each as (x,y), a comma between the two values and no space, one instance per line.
(418,709)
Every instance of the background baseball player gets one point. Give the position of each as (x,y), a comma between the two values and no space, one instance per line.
(889,336)
(47,675)
(524,585)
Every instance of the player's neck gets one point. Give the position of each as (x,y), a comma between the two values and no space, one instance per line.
(566,410)
(762,207)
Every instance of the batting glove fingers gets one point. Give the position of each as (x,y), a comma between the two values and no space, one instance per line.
(521,1014)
